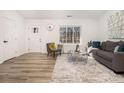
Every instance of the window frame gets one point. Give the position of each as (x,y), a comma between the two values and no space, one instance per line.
(66,37)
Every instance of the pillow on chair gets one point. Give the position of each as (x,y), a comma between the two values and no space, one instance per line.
(52,46)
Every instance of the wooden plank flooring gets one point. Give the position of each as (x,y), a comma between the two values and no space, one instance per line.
(27,68)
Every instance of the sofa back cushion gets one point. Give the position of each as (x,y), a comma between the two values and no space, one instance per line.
(103,45)
(121,42)
(110,45)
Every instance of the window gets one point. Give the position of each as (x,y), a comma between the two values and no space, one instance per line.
(70,34)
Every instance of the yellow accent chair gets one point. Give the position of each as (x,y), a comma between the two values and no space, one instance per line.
(53,50)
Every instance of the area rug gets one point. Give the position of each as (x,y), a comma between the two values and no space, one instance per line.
(92,72)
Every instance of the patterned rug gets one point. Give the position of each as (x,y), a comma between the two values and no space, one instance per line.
(92,72)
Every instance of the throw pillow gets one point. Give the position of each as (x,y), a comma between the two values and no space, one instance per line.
(90,44)
(121,48)
(96,44)
(116,49)
(52,46)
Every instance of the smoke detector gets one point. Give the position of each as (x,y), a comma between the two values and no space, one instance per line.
(69,16)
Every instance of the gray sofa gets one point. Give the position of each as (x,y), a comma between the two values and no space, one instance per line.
(109,58)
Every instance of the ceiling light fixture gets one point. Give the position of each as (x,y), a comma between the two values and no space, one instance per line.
(69,16)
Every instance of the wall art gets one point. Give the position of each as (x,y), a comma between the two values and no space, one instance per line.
(116,25)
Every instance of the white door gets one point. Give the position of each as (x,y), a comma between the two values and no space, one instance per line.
(34,39)
(9,42)
(1,42)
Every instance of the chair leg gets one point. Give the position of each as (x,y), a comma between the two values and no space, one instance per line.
(60,53)
(47,54)
(54,54)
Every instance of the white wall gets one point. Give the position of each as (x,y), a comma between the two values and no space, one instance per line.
(16,31)
(12,30)
(89,30)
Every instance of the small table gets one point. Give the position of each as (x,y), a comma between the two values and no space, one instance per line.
(78,57)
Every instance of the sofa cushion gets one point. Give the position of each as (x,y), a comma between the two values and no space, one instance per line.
(103,45)
(110,46)
(105,55)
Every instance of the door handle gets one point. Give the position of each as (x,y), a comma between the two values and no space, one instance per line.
(5,41)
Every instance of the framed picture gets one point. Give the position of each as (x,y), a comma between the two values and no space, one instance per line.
(116,25)
(35,30)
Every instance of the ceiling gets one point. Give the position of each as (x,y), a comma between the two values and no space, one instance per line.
(61,14)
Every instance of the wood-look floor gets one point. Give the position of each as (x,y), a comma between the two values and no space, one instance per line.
(27,68)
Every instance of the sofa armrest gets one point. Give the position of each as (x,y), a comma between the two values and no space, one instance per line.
(118,62)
